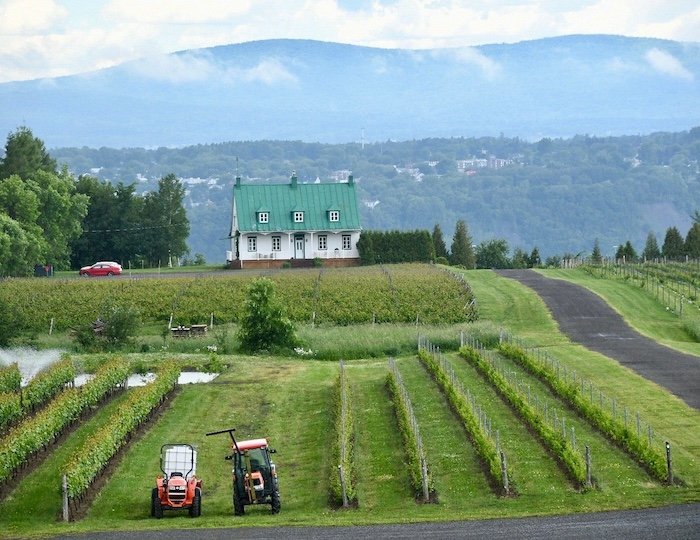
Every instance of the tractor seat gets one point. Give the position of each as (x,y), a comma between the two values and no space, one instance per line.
(176,473)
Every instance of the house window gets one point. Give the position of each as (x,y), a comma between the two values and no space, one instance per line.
(252,243)
(347,244)
(322,242)
(276,243)
(298,217)
(263,217)
(334,215)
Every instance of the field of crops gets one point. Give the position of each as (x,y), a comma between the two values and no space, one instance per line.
(539,416)
(389,294)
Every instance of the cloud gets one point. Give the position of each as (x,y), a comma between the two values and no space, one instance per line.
(471,56)
(26,17)
(667,64)
(199,67)
(174,11)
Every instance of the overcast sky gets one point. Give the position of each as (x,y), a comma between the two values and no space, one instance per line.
(48,38)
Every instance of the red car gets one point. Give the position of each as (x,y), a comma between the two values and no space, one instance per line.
(103,268)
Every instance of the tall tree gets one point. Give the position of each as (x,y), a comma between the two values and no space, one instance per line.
(692,241)
(439,242)
(166,226)
(462,252)
(492,254)
(629,252)
(651,248)
(673,247)
(535,259)
(596,256)
(25,155)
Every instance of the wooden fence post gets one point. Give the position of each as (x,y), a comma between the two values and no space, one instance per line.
(66,509)
(588,466)
(504,473)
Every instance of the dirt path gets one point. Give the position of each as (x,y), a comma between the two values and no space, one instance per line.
(587,319)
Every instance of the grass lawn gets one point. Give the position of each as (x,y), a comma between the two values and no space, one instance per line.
(289,400)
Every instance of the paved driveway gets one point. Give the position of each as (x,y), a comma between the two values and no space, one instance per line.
(590,321)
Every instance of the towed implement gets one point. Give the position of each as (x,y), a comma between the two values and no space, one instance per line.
(254,474)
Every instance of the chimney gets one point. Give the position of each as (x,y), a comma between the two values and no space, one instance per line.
(351,180)
(294,179)
(238,181)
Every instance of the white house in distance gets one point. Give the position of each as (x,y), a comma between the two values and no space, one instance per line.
(273,224)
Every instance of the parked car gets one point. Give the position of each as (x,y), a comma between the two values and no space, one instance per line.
(102,268)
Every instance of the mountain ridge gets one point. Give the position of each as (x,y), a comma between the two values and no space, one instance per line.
(332,92)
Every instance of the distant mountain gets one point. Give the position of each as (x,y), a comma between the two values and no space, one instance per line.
(316,91)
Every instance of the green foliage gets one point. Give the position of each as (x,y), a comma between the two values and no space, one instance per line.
(484,446)
(395,247)
(10,378)
(37,432)
(674,246)
(414,454)
(264,325)
(651,248)
(692,241)
(652,461)
(117,325)
(558,444)
(492,254)
(48,383)
(596,256)
(343,448)
(89,461)
(462,252)
(439,244)
(25,155)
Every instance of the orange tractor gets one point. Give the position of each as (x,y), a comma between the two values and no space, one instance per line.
(178,487)
(254,474)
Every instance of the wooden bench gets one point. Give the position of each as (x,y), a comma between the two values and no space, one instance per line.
(180,331)
(198,330)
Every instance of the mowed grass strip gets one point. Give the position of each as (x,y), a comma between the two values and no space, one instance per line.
(535,472)
(613,470)
(456,468)
(380,459)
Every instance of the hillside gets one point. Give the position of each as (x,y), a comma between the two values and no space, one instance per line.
(557,194)
(330,92)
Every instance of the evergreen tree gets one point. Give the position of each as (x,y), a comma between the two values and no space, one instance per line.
(673,247)
(651,248)
(462,252)
(596,257)
(492,254)
(692,241)
(620,253)
(25,155)
(520,259)
(629,252)
(439,243)
(535,259)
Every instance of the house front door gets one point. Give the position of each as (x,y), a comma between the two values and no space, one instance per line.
(299,247)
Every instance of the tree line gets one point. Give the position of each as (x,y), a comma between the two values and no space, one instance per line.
(674,246)
(48,217)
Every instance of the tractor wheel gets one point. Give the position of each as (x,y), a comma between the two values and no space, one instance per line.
(196,508)
(238,506)
(157,507)
(154,498)
(276,503)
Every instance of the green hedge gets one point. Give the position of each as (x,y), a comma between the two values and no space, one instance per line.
(344,435)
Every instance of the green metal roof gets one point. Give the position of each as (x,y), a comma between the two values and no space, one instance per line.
(282,200)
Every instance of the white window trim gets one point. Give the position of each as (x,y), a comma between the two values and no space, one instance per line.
(334,215)
(279,243)
(252,243)
(263,217)
(298,217)
(322,242)
(349,239)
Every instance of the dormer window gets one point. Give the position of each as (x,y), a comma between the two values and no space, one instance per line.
(334,215)
(298,217)
(263,217)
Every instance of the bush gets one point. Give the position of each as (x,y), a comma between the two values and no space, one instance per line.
(114,329)
(264,325)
